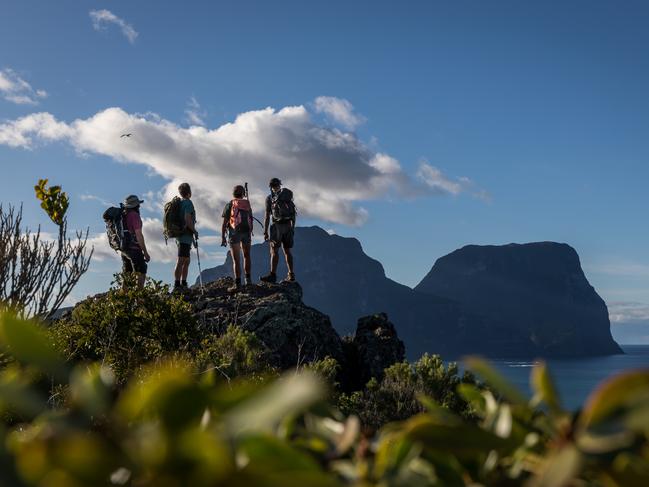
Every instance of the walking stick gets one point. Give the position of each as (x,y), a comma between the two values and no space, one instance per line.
(245,185)
(200,271)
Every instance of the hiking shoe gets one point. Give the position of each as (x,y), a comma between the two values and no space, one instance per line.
(248,282)
(177,289)
(235,287)
(271,278)
(290,277)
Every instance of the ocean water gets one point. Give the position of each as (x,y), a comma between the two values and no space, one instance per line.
(576,378)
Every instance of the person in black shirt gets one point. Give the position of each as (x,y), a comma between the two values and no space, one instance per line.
(281,209)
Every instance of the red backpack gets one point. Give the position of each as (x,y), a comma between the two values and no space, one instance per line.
(241,216)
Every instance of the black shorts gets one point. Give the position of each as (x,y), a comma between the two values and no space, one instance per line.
(133,261)
(281,235)
(184,249)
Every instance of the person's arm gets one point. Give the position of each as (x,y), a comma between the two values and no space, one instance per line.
(266,219)
(189,222)
(224,229)
(139,236)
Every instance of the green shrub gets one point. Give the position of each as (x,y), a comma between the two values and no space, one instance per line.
(397,396)
(127,327)
(236,353)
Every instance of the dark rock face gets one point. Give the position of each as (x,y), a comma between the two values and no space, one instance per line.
(530,302)
(293,332)
(522,300)
(377,346)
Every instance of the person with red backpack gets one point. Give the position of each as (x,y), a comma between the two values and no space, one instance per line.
(281,209)
(237,220)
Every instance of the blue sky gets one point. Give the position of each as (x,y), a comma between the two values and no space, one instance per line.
(543,106)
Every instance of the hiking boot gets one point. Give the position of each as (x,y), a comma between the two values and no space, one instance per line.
(248,281)
(290,277)
(270,277)
(177,289)
(235,287)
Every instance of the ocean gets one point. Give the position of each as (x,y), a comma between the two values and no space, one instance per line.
(576,378)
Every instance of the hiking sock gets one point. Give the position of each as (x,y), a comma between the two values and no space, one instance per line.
(183,283)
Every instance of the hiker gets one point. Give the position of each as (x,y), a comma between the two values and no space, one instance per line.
(237,220)
(186,237)
(135,256)
(279,207)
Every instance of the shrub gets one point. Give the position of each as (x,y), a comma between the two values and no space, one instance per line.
(397,395)
(127,326)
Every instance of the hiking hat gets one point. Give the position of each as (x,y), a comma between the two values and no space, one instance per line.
(132,201)
(274,182)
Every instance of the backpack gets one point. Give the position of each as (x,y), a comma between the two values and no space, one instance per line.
(172,220)
(282,206)
(119,238)
(241,216)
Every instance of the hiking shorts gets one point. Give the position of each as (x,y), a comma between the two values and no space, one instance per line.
(281,235)
(236,238)
(184,249)
(133,261)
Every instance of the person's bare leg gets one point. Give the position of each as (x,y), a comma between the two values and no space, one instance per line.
(246,258)
(140,279)
(289,259)
(179,269)
(274,259)
(185,268)
(236,265)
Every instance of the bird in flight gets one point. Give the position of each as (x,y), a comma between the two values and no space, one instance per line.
(125,135)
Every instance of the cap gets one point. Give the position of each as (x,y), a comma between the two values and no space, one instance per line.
(274,182)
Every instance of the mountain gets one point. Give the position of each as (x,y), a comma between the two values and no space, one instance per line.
(339,279)
(535,297)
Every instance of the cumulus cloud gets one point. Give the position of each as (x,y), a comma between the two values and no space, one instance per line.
(101,18)
(194,115)
(339,110)
(16,90)
(330,171)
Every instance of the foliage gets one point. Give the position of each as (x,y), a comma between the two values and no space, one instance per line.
(127,327)
(53,200)
(36,273)
(396,396)
(171,427)
(235,353)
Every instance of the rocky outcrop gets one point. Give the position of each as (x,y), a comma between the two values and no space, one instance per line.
(522,300)
(293,332)
(374,347)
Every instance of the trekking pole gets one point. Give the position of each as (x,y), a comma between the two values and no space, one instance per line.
(200,271)
(245,185)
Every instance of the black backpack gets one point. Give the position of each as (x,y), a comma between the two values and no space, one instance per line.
(282,206)
(119,237)
(172,221)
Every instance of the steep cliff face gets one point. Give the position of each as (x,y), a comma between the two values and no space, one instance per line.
(526,300)
(529,299)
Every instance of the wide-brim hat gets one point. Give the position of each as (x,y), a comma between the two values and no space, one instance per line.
(132,201)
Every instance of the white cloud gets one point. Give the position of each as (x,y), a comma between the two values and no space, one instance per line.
(16,90)
(330,171)
(92,197)
(339,110)
(628,312)
(194,115)
(100,18)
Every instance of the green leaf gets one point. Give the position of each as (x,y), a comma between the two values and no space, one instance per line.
(559,469)
(26,342)
(620,393)
(495,379)
(289,395)
(544,386)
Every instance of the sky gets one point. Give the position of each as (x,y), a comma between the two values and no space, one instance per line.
(418,127)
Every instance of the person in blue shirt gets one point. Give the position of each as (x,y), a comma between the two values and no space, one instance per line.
(186,240)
